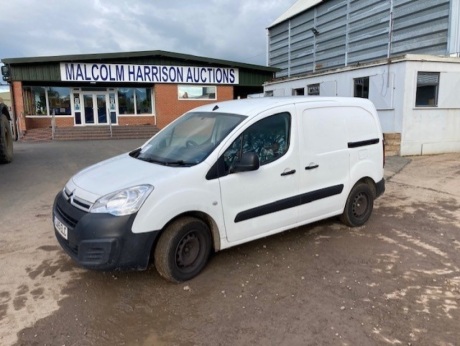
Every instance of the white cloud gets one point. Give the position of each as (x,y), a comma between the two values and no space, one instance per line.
(224,29)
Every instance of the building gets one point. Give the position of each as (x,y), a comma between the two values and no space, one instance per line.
(403,55)
(5,97)
(122,89)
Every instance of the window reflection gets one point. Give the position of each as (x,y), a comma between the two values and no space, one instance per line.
(126,101)
(59,101)
(193,92)
(135,101)
(143,101)
(40,100)
(35,100)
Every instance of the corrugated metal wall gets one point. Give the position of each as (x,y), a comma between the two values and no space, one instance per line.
(37,72)
(353,31)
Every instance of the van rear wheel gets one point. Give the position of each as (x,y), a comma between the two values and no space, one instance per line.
(359,206)
(183,249)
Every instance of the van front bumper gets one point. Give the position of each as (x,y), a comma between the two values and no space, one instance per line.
(101,241)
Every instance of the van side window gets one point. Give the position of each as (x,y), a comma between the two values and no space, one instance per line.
(268,138)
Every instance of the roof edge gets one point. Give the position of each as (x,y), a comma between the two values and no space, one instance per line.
(136,54)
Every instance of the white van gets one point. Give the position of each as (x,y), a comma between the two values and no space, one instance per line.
(222,175)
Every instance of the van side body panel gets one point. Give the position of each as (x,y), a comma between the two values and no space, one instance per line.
(339,144)
(324,158)
(365,145)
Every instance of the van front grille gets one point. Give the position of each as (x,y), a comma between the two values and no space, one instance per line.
(69,220)
(76,201)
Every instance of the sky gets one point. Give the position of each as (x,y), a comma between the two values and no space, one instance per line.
(222,29)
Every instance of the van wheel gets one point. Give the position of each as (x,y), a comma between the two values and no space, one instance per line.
(359,206)
(183,249)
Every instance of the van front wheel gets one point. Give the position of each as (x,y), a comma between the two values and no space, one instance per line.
(183,249)
(359,206)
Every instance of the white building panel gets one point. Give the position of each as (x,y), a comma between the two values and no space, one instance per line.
(429,129)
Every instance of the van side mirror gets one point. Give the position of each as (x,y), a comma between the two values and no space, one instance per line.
(249,162)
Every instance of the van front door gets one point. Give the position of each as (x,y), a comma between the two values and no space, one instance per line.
(263,201)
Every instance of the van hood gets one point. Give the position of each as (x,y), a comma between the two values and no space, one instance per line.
(118,173)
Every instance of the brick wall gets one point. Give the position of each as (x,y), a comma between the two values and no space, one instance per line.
(169,107)
(38,123)
(64,121)
(45,122)
(135,120)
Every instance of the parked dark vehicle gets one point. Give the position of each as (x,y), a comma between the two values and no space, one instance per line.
(6,135)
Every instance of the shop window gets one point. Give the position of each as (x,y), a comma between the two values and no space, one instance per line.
(361,87)
(59,101)
(135,101)
(35,101)
(427,89)
(313,89)
(298,92)
(46,100)
(143,100)
(195,92)
(126,101)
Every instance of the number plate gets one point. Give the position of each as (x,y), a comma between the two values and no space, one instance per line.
(62,229)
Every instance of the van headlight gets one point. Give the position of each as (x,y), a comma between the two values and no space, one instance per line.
(122,202)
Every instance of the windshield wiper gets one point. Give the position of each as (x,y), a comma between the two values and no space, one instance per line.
(181,163)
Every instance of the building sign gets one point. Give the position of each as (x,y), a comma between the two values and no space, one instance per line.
(80,72)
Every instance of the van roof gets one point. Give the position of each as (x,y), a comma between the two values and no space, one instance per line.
(253,106)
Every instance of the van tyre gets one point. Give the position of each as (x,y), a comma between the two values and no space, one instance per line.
(6,140)
(359,206)
(183,249)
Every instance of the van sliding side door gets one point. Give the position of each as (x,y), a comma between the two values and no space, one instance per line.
(324,161)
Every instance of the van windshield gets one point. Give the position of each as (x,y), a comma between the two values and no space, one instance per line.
(189,140)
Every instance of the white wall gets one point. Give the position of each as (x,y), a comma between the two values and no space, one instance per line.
(392,89)
(384,81)
(432,130)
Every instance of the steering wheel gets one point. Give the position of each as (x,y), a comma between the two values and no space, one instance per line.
(189,143)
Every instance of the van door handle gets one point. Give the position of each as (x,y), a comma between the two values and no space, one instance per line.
(311,166)
(288,173)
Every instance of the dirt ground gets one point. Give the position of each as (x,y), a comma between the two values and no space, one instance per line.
(394,281)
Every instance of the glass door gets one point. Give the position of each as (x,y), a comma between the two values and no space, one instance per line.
(101,103)
(96,107)
(88,108)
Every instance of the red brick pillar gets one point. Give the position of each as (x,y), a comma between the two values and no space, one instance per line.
(18,106)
